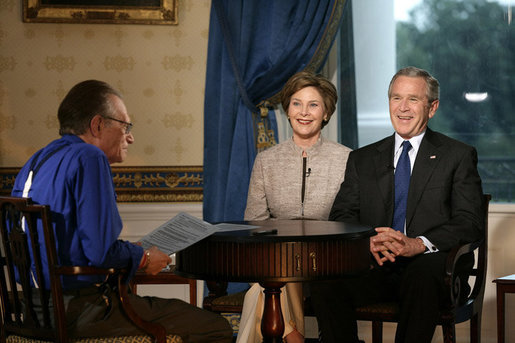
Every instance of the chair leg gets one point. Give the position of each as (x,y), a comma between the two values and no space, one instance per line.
(377,332)
(475,328)
(449,333)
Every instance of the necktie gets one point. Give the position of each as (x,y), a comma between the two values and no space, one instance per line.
(402,177)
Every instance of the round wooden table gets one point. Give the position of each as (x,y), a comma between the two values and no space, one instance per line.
(277,252)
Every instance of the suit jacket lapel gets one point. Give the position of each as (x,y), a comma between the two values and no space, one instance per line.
(428,157)
(383,162)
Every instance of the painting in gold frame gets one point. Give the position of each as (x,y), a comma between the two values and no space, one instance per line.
(156,12)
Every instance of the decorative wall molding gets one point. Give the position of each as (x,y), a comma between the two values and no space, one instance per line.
(142,184)
(7,177)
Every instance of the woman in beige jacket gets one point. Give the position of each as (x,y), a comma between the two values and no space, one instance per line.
(296,179)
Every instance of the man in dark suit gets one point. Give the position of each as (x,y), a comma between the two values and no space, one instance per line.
(439,206)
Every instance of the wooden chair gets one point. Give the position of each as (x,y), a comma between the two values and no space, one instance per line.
(20,248)
(454,312)
(219,301)
(165,277)
(228,306)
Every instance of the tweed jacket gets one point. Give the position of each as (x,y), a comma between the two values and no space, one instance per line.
(275,189)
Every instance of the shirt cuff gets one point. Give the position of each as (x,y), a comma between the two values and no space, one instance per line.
(430,247)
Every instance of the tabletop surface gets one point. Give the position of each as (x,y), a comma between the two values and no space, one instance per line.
(299,230)
(506,279)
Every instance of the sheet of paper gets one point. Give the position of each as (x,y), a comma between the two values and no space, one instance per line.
(178,233)
(222,227)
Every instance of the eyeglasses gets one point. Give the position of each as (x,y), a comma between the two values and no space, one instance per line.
(128,126)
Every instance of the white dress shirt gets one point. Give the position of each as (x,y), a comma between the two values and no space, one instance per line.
(412,153)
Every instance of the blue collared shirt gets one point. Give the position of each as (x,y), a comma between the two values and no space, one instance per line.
(76,182)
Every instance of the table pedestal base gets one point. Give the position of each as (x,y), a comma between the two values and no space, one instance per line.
(272,323)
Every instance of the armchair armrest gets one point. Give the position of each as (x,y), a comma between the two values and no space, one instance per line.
(156,330)
(452,280)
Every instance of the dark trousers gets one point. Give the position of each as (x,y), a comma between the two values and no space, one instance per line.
(97,312)
(416,283)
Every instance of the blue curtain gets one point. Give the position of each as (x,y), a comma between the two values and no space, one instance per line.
(254,47)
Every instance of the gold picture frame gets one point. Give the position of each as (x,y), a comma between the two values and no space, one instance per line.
(155,12)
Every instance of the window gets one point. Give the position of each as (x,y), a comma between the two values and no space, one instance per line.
(469,46)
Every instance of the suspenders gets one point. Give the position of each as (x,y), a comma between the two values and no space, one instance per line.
(34,169)
(32,173)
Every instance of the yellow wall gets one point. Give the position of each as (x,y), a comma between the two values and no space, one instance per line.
(159,69)
(161,72)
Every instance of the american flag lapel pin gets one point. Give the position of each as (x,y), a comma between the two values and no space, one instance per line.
(432,157)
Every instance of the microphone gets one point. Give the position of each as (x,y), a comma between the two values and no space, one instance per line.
(308,173)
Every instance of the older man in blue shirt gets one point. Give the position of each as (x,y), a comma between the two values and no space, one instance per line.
(73,175)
